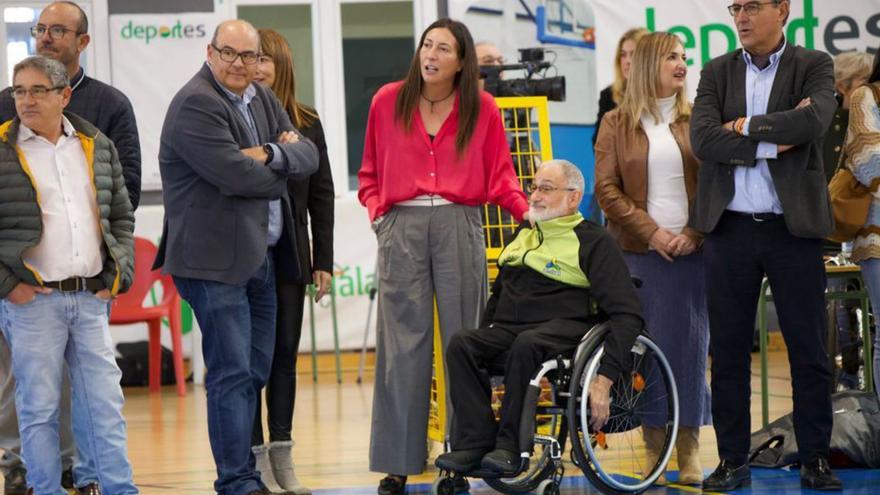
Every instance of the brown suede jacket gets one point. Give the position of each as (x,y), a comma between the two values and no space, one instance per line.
(622,179)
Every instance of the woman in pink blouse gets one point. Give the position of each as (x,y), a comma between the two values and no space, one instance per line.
(435,151)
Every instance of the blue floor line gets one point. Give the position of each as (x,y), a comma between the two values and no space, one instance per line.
(764,481)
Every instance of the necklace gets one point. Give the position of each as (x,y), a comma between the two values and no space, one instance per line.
(432,102)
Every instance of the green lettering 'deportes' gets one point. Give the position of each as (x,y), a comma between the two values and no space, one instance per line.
(715,38)
(149,32)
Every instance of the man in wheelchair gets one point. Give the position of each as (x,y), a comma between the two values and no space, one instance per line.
(559,277)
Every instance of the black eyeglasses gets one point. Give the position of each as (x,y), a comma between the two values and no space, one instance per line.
(229,55)
(751,9)
(546,188)
(56,32)
(37,92)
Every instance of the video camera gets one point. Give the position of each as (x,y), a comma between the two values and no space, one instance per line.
(532,61)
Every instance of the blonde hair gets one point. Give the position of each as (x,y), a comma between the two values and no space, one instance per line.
(618,87)
(849,66)
(644,78)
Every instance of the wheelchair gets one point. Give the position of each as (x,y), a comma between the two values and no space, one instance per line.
(612,459)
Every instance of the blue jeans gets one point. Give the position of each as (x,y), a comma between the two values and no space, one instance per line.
(238,329)
(871,275)
(42,335)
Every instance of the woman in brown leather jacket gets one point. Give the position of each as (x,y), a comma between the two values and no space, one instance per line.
(646,178)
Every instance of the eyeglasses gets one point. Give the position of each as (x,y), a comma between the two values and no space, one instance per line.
(56,32)
(229,55)
(751,8)
(546,188)
(37,92)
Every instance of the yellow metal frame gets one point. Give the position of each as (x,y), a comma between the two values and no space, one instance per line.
(498,225)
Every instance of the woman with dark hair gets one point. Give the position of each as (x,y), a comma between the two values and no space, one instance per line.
(862,155)
(311,198)
(435,151)
(646,182)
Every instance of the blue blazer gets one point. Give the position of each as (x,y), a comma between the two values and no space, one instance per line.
(216,198)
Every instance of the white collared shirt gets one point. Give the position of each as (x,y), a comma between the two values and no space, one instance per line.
(71,241)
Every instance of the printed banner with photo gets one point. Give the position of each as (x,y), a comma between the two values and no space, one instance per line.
(563,28)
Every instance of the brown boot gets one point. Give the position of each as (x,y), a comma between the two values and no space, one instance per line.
(687,448)
(654,438)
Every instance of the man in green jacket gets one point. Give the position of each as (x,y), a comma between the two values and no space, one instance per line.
(66,248)
(556,280)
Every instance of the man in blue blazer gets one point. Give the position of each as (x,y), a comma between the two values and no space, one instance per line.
(226,152)
(758,124)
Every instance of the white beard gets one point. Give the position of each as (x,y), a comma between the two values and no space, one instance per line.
(545,214)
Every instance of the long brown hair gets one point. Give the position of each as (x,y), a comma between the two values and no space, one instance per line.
(465,82)
(273,45)
(618,87)
(644,78)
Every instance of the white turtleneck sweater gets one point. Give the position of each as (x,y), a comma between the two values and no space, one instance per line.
(667,195)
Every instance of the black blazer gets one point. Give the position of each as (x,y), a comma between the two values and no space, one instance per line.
(313,198)
(798,174)
(606,104)
(216,198)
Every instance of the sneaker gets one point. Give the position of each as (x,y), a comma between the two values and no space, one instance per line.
(461,461)
(15,481)
(501,461)
(392,485)
(90,489)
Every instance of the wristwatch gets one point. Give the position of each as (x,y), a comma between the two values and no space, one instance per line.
(270,152)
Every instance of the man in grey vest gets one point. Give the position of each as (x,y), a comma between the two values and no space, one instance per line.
(226,152)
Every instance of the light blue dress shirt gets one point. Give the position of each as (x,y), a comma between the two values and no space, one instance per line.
(242,104)
(754,190)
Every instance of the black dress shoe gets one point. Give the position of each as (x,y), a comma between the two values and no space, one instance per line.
(817,475)
(727,477)
(461,461)
(392,485)
(461,484)
(501,461)
(67,479)
(15,481)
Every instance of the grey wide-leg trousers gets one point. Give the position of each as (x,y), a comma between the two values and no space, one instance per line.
(424,251)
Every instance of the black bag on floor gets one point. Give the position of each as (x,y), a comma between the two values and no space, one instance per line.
(135,364)
(855,438)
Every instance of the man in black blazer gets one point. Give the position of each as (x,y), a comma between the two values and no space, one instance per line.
(227,149)
(758,122)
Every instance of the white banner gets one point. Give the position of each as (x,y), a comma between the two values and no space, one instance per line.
(151,57)
(707,29)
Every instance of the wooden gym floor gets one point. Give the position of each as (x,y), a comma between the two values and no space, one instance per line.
(168,439)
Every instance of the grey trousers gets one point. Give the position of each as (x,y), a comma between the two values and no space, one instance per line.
(424,252)
(10,441)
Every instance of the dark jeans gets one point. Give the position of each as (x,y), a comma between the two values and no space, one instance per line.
(281,388)
(518,350)
(238,327)
(737,255)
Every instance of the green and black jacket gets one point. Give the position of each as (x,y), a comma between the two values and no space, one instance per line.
(568,268)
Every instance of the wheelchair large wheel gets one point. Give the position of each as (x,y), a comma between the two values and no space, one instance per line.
(614,459)
(541,466)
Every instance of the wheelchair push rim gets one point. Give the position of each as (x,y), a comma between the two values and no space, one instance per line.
(588,446)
